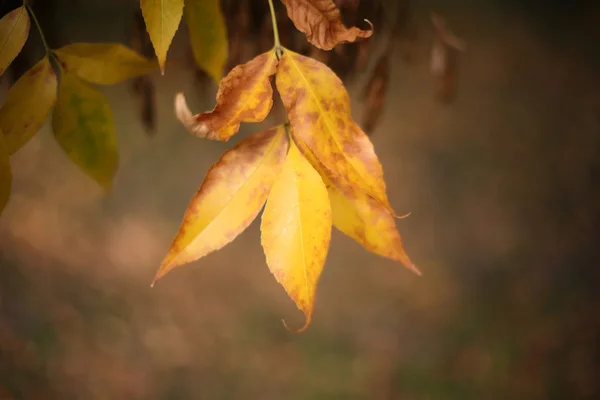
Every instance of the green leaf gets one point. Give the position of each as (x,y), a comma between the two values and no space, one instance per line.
(103,63)
(84,127)
(5,174)
(14,30)
(208,35)
(27,105)
(162,18)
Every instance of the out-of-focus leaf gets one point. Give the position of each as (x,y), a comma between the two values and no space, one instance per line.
(359,216)
(27,105)
(103,63)
(14,31)
(319,111)
(208,35)
(375,92)
(162,19)
(83,125)
(296,229)
(231,196)
(321,22)
(5,174)
(444,59)
(142,86)
(244,95)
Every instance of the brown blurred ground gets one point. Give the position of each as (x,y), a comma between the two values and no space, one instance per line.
(503,190)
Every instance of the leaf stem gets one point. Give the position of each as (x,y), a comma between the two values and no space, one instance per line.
(278,48)
(39,27)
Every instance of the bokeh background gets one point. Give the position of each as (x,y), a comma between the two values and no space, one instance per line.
(503,189)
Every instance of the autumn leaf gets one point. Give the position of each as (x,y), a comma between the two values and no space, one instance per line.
(208,35)
(359,216)
(5,174)
(319,111)
(27,105)
(162,19)
(231,196)
(444,58)
(244,95)
(14,30)
(103,63)
(84,127)
(321,22)
(296,230)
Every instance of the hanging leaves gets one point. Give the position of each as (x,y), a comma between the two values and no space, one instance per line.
(14,31)
(231,196)
(296,229)
(208,35)
(84,127)
(5,174)
(321,22)
(103,63)
(318,108)
(444,59)
(27,105)
(244,95)
(162,19)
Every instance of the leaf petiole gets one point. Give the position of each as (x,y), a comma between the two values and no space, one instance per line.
(278,48)
(39,27)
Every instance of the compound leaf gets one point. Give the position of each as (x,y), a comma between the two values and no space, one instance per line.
(162,19)
(27,105)
(231,196)
(84,127)
(321,22)
(14,31)
(296,230)
(103,63)
(208,35)
(244,95)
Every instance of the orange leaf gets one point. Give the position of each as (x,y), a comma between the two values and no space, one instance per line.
(321,22)
(319,111)
(244,95)
(229,199)
(359,216)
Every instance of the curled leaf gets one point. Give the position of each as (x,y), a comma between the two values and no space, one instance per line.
(296,230)
(321,22)
(318,108)
(359,216)
(84,127)
(103,63)
(444,58)
(5,174)
(14,31)
(244,95)
(27,105)
(208,35)
(231,196)
(162,19)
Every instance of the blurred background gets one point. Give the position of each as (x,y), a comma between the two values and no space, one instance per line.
(501,180)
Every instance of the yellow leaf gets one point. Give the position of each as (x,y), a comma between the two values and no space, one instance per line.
(162,19)
(244,95)
(208,35)
(84,127)
(14,30)
(229,199)
(361,217)
(321,22)
(318,108)
(5,174)
(103,63)
(27,105)
(296,229)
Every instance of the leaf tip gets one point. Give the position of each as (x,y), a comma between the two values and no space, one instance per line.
(185,116)
(299,330)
